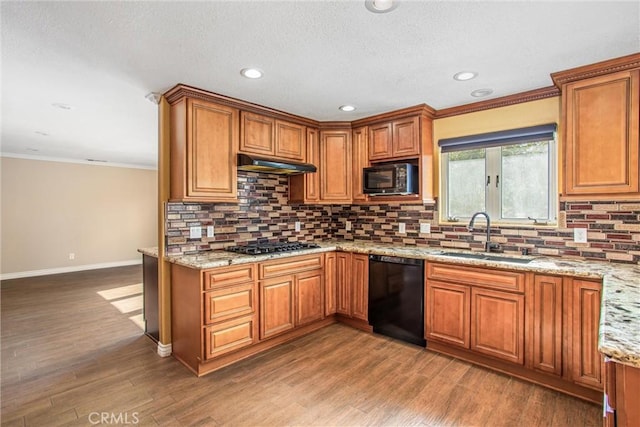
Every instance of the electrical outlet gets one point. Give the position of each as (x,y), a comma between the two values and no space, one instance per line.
(425,228)
(195,232)
(72,255)
(297,226)
(347,225)
(580,235)
(401,228)
(211,231)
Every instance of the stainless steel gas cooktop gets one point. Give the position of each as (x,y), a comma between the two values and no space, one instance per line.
(269,248)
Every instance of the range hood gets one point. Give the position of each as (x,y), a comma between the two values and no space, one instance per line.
(257,164)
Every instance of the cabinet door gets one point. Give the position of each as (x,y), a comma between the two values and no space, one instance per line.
(290,141)
(447,308)
(497,324)
(343,283)
(406,137)
(228,336)
(360,161)
(380,141)
(206,161)
(309,297)
(305,188)
(330,284)
(257,134)
(547,324)
(335,166)
(586,361)
(360,286)
(276,306)
(601,134)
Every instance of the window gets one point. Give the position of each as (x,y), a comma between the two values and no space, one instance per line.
(511,175)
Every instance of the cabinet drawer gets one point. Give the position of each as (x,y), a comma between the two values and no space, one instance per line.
(290,265)
(225,303)
(506,280)
(229,336)
(226,276)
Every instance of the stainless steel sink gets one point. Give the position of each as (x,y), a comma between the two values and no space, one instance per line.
(487,257)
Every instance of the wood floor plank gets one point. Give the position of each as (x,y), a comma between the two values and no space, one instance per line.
(78,354)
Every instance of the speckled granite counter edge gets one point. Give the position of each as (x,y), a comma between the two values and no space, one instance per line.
(149,251)
(619,332)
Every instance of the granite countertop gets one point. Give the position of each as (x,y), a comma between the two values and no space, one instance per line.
(619,336)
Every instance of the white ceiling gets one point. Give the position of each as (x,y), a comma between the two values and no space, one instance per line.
(102,58)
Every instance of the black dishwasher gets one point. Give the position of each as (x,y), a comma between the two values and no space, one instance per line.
(396,297)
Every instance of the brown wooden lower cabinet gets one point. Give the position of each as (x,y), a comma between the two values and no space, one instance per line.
(228,336)
(360,287)
(343,283)
(545,303)
(497,324)
(330,283)
(352,287)
(587,364)
(536,326)
(622,388)
(309,290)
(276,306)
(447,311)
(478,318)
(222,315)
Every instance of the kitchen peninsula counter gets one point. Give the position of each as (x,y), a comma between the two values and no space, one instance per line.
(619,332)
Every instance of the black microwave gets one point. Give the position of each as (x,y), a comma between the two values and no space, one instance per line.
(390,179)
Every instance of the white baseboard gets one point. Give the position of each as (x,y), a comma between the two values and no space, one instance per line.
(47,271)
(164,350)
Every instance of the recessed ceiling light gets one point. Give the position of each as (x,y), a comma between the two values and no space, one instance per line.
(478,93)
(96,160)
(251,73)
(32,149)
(465,75)
(380,6)
(62,106)
(39,132)
(347,108)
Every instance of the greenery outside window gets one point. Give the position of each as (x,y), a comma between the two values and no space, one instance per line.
(511,175)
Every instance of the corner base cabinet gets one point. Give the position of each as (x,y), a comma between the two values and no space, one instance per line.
(222,315)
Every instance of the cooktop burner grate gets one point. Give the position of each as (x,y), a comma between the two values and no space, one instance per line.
(269,248)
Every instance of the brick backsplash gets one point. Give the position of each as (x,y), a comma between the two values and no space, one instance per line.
(613,230)
(263,213)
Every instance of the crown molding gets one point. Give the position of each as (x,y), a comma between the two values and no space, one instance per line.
(180,91)
(420,109)
(76,161)
(518,98)
(599,68)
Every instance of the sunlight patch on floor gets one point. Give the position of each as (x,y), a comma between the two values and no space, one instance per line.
(127,299)
(121,292)
(127,305)
(138,320)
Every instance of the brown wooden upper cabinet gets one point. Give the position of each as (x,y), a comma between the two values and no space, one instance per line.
(360,161)
(272,138)
(398,138)
(305,188)
(335,166)
(204,141)
(601,120)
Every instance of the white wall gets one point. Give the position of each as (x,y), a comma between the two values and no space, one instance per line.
(50,209)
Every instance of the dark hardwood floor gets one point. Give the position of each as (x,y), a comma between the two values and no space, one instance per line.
(71,357)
